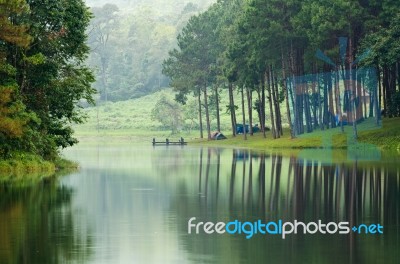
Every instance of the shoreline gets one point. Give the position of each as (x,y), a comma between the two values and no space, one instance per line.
(33,168)
(385,138)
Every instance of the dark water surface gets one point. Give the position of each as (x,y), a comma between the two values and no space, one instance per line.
(131,204)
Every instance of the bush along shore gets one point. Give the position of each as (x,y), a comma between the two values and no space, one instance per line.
(28,167)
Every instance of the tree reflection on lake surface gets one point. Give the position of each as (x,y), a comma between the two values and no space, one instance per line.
(131,204)
(37,225)
(269,187)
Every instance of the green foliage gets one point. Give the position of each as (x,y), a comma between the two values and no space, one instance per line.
(169,114)
(193,65)
(394,105)
(58,54)
(259,43)
(14,128)
(133,117)
(21,163)
(128,115)
(13,117)
(129,45)
(43,76)
(12,32)
(191,114)
(13,114)
(36,59)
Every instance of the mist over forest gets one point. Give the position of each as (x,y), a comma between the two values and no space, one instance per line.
(129,40)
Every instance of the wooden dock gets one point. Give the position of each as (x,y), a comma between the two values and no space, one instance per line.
(167,142)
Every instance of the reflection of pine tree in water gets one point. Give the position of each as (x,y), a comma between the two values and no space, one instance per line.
(37,225)
(261,187)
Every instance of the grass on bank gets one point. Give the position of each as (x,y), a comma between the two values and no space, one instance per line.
(387,137)
(28,167)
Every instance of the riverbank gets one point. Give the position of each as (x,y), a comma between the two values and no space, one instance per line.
(385,138)
(28,167)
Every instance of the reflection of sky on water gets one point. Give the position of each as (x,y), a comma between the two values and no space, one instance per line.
(126,202)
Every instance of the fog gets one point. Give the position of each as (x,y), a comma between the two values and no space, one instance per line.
(129,40)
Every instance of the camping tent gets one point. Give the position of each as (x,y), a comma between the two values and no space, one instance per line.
(217,136)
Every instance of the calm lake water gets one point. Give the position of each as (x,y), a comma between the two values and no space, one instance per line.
(132,204)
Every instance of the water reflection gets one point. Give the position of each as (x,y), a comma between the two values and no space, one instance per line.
(131,204)
(270,187)
(36,225)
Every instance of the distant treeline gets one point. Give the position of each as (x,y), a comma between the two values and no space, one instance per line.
(42,75)
(129,41)
(328,63)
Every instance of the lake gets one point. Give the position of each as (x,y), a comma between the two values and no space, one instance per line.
(131,203)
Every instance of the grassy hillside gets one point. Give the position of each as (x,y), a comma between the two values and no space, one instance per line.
(133,118)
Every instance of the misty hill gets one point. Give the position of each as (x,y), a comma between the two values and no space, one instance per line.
(129,40)
(156,4)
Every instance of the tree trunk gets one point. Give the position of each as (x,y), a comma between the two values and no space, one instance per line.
(217,106)
(293,90)
(268,80)
(249,104)
(363,99)
(314,99)
(337,98)
(379,86)
(331,104)
(377,106)
(353,89)
(307,108)
(262,106)
(384,89)
(207,112)
(398,75)
(339,104)
(244,115)
(320,122)
(359,107)
(371,105)
(232,109)
(200,115)
(259,111)
(275,96)
(299,94)
(326,108)
(104,77)
(287,98)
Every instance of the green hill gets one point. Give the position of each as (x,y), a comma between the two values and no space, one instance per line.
(133,118)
